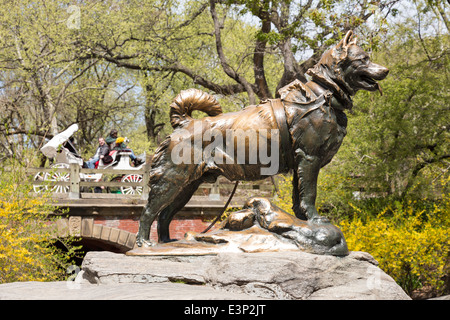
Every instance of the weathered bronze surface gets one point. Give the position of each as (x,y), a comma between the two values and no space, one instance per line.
(314,118)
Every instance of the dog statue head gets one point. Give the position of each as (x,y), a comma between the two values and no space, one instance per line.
(346,68)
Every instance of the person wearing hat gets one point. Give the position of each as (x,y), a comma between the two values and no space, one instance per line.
(121,145)
(118,143)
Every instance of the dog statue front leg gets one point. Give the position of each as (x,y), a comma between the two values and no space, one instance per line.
(299,213)
(307,174)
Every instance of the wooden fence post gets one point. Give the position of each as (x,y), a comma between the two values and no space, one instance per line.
(74,191)
(146,178)
(214,193)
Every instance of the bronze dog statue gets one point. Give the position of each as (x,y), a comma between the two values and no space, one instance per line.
(302,131)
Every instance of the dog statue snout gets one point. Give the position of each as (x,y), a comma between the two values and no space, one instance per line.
(378,72)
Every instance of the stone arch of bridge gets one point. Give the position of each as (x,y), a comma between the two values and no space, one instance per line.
(96,235)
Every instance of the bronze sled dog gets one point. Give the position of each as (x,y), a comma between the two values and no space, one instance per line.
(307,123)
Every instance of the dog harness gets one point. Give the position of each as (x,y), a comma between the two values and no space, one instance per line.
(285,137)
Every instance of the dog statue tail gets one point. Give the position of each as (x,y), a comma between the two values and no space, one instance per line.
(189,100)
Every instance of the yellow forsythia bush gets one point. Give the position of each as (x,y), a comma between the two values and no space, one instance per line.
(409,239)
(411,245)
(27,252)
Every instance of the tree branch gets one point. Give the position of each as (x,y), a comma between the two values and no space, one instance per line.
(125,61)
(223,61)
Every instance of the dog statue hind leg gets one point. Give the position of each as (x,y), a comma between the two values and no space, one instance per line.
(167,182)
(168,213)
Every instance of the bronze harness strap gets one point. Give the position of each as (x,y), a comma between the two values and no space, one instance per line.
(223,209)
(285,138)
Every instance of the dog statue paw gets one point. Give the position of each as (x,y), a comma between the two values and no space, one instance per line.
(144,243)
(319,220)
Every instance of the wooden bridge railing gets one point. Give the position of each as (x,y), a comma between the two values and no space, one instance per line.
(72,182)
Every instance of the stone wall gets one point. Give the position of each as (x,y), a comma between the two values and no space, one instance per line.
(121,232)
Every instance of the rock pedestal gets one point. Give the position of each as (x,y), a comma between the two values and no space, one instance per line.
(275,275)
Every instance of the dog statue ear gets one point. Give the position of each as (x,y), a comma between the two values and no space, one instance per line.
(340,50)
(348,38)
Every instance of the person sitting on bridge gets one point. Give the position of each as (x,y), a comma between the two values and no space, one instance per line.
(111,140)
(121,145)
(102,151)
